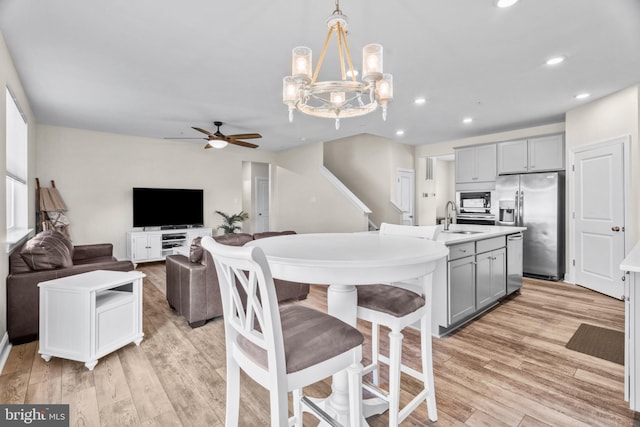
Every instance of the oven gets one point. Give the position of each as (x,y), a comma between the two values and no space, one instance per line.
(476,219)
(475,208)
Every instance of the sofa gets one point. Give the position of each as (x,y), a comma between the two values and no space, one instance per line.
(48,255)
(192,282)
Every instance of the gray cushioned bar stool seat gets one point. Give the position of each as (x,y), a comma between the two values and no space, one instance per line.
(281,348)
(309,338)
(398,306)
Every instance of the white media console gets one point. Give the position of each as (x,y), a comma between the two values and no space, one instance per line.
(148,246)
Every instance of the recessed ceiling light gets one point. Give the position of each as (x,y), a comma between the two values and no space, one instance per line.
(399,132)
(505,3)
(420,101)
(555,60)
(467,120)
(355,72)
(583,95)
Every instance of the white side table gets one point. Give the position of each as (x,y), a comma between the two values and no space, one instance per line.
(87,316)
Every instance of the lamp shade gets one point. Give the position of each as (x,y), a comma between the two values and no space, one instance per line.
(301,63)
(337,98)
(372,62)
(384,89)
(289,90)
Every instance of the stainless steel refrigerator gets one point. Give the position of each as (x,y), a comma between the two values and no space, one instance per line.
(535,201)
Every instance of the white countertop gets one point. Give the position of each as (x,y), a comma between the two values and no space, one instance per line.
(349,258)
(481,232)
(632,261)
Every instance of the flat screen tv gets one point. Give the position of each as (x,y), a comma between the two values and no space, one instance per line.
(167,207)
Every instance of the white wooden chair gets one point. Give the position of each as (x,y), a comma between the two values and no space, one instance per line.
(396,307)
(282,348)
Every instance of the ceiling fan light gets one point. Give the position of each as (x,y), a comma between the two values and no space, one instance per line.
(218,143)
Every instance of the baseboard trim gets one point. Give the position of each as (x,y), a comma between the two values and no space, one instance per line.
(5,349)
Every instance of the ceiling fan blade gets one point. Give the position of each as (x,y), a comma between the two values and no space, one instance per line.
(231,139)
(241,143)
(206,132)
(182,137)
(245,136)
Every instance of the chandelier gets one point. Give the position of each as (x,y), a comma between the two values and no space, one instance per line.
(343,98)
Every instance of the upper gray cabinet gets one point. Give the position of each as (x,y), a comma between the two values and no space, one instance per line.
(543,153)
(476,167)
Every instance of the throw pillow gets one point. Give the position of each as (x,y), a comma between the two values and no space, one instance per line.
(196,250)
(47,250)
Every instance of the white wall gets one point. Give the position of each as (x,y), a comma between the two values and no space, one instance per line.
(251,171)
(305,201)
(445,185)
(604,119)
(432,195)
(367,165)
(96,171)
(9,78)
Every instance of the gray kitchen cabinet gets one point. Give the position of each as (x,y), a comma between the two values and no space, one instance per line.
(476,167)
(491,278)
(462,288)
(544,153)
(513,156)
(477,278)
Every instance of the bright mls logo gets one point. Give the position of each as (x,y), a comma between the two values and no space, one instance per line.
(34,415)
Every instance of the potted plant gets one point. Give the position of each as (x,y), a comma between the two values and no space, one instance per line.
(229,224)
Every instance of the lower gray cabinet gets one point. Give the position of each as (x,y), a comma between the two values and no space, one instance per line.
(491,274)
(462,288)
(477,277)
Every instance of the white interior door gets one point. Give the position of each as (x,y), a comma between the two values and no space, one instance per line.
(405,192)
(599,218)
(262,204)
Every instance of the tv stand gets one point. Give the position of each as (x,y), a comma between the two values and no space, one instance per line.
(155,245)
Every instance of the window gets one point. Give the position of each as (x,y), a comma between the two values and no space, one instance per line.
(16,137)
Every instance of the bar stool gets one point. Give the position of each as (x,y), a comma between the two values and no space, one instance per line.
(396,307)
(281,348)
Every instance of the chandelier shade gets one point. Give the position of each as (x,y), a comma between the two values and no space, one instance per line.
(342,98)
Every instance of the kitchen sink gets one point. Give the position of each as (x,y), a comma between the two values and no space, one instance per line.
(461,231)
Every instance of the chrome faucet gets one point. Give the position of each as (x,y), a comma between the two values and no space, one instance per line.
(448,219)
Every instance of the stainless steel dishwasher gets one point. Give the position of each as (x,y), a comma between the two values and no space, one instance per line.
(514,262)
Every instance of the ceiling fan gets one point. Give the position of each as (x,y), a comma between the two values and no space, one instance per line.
(220,140)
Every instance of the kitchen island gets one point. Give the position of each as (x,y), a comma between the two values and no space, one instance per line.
(484,265)
(631,266)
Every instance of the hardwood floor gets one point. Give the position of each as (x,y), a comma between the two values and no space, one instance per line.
(507,368)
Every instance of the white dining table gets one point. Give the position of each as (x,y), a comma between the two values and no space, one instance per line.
(342,261)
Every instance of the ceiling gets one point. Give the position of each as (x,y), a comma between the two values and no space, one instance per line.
(155,68)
